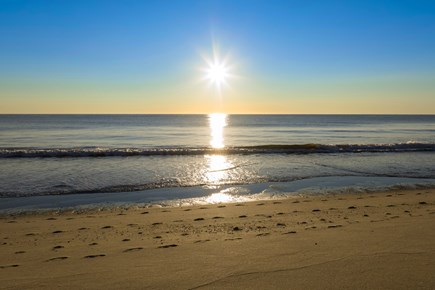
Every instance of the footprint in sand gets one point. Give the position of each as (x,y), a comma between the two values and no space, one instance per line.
(156,224)
(106,227)
(233,239)
(157,237)
(145,212)
(168,246)
(57,259)
(242,216)
(82,229)
(93,244)
(187,209)
(352,207)
(9,266)
(296,201)
(290,232)
(280,225)
(239,204)
(51,219)
(277,202)
(310,228)
(20,252)
(217,217)
(126,240)
(57,247)
(260,203)
(316,210)
(263,234)
(57,232)
(201,241)
(221,206)
(334,226)
(30,234)
(94,256)
(422,203)
(198,219)
(133,249)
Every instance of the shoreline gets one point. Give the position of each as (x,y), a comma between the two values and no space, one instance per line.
(203,195)
(369,241)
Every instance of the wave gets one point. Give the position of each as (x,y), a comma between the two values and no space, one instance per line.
(275,183)
(258,149)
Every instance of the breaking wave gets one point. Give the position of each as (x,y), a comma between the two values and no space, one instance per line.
(260,149)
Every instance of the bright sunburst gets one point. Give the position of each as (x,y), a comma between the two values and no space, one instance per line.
(217,71)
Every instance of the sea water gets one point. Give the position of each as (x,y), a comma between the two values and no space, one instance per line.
(51,161)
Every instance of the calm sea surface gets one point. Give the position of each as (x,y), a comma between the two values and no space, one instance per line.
(152,158)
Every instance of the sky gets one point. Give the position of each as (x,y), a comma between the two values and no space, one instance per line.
(283,57)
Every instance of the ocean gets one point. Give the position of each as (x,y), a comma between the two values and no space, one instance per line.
(62,161)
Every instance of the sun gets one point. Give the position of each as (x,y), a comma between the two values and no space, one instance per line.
(217,70)
(217,73)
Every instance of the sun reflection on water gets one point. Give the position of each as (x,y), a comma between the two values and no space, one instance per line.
(218,167)
(217,122)
(219,198)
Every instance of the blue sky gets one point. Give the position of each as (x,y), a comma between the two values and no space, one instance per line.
(290,55)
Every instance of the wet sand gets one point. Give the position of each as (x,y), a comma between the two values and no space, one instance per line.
(382,240)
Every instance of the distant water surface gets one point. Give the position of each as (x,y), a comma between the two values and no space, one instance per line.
(54,155)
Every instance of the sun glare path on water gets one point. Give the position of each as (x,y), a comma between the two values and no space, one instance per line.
(217,122)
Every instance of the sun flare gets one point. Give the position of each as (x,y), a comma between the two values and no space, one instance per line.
(217,70)
(217,73)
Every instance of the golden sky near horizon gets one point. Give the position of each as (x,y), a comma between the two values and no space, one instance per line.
(393,95)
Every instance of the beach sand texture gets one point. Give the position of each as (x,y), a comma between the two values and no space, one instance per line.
(382,240)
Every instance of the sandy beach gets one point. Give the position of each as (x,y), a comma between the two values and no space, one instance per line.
(382,240)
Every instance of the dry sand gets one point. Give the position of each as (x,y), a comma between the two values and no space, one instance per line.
(365,241)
